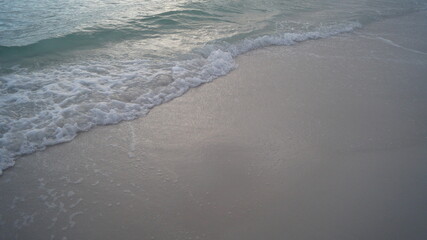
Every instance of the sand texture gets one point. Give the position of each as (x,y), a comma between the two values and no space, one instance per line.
(326,139)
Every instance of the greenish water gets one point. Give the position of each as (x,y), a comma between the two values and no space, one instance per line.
(66,66)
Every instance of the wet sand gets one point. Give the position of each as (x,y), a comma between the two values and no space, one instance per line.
(326,139)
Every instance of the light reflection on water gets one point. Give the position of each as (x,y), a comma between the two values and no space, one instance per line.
(24,22)
(66,66)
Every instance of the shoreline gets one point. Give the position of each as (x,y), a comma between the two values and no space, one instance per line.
(218,63)
(320,140)
(288,39)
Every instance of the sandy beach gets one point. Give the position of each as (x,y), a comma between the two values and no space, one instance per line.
(326,139)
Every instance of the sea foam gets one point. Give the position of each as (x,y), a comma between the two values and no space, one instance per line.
(51,106)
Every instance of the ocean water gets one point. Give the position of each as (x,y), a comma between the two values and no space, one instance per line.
(67,66)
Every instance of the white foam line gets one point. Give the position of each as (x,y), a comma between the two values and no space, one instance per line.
(132,144)
(390,42)
(76,203)
(71,219)
(65,119)
(399,46)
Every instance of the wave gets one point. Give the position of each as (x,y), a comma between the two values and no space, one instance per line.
(154,26)
(78,97)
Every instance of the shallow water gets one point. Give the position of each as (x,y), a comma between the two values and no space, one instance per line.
(67,66)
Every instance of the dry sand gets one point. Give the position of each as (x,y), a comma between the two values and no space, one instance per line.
(323,140)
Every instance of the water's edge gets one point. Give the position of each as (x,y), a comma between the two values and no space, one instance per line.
(219,61)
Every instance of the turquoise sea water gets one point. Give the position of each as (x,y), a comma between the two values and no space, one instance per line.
(67,66)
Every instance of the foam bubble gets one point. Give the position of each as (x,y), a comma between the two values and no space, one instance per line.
(51,106)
